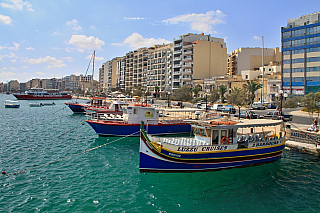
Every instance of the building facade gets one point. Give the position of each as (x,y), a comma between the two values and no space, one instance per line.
(251,59)
(197,56)
(300,41)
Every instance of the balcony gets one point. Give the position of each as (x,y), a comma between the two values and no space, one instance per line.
(188,52)
(187,65)
(176,65)
(177,52)
(189,58)
(188,46)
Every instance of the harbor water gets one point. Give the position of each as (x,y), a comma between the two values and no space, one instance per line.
(65,170)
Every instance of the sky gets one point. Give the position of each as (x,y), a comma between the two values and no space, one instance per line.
(56,38)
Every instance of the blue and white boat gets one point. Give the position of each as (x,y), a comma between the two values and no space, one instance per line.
(215,146)
(11,104)
(129,123)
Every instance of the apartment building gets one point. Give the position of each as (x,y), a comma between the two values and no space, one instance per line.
(251,59)
(197,56)
(300,41)
(108,74)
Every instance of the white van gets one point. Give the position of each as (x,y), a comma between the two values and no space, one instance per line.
(217,107)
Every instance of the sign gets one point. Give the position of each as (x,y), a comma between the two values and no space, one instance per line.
(148,114)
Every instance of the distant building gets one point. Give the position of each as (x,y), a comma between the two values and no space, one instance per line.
(300,41)
(251,59)
(13,86)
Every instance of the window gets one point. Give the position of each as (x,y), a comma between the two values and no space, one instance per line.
(286,61)
(286,53)
(286,70)
(313,49)
(312,69)
(313,59)
(298,70)
(298,60)
(298,51)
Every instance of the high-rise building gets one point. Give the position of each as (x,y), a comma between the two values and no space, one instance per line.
(251,59)
(197,56)
(300,41)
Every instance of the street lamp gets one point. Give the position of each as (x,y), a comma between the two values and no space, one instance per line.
(280,95)
(206,101)
(168,99)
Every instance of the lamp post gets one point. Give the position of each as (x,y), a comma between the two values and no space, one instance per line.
(280,95)
(168,99)
(206,101)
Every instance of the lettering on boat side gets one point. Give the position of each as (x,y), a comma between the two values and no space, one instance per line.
(269,143)
(203,149)
(304,136)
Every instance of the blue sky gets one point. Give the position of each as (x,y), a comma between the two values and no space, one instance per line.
(55,38)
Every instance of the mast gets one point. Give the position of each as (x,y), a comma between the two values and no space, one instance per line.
(94,55)
(262,97)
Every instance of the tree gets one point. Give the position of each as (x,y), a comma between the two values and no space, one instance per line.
(214,96)
(183,93)
(222,91)
(310,102)
(237,97)
(251,87)
(196,90)
(156,89)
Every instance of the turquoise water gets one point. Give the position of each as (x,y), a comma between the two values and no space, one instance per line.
(107,179)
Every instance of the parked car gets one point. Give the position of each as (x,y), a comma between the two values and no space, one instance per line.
(217,107)
(275,115)
(258,105)
(271,106)
(197,105)
(229,109)
(177,103)
(245,114)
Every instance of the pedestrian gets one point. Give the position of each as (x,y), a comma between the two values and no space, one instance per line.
(250,115)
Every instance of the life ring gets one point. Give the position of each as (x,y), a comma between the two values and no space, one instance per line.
(144,104)
(224,140)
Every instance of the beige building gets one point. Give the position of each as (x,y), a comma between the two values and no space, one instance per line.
(108,74)
(197,56)
(251,59)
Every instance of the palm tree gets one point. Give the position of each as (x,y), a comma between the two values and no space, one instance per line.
(251,87)
(222,91)
(196,90)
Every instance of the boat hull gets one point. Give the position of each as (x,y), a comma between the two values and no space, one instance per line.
(12,106)
(121,129)
(154,161)
(42,97)
(76,107)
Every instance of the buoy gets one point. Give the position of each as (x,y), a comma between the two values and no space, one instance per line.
(3,172)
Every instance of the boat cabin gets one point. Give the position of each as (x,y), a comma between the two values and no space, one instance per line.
(218,135)
(136,114)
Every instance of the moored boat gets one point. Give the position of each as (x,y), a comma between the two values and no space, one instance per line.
(79,107)
(114,108)
(215,146)
(130,124)
(35,104)
(41,94)
(11,104)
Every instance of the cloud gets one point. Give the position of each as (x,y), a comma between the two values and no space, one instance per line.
(29,48)
(256,37)
(4,74)
(199,22)
(136,40)
(15,46)
(13,60)
(56,33)
(17,5)
(92,27)
(3,68)
(5,20)
(14,68)
(80,50)
(89,43)
(11,55)
(24,67)
(70,59)
(75,24)
(132,18)
(40,73)
(54,63)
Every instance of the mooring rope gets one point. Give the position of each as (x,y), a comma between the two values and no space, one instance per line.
(82,123)
(22,171)
(59,110)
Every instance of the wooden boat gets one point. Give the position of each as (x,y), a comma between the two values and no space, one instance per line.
(215,146)
(11,104)
(79,107)
(114,108)
(35,104)
(130,124)
(41,94)
(48,103)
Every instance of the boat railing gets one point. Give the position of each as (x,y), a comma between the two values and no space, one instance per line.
(104,117)
(185,141)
